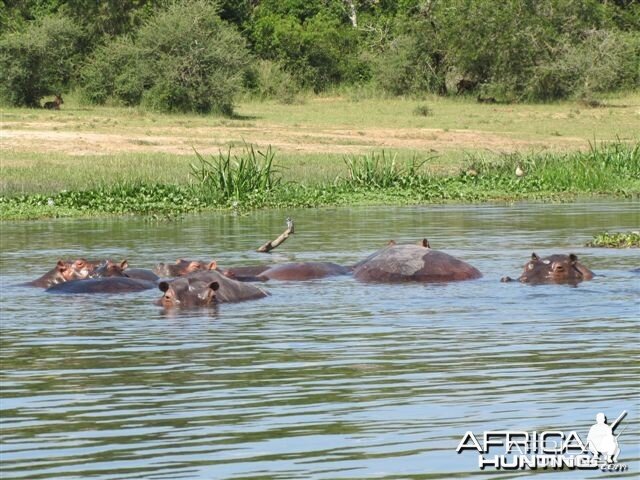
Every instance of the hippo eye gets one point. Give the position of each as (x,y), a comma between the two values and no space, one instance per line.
(546,262)
(530,266)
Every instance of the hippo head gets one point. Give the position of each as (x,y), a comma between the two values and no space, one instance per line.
(78,269)
(111,269)
(552,269)
(187,292)
(183,267)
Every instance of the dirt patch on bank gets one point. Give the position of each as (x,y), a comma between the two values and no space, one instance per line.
(53,137)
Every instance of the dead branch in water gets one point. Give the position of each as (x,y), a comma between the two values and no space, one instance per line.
(267,247)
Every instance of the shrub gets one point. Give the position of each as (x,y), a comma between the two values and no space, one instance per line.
(422,111)
(38,61)
(184,58)
(318,52)
(604,61)
(406,57)
(112,71)
(270,81)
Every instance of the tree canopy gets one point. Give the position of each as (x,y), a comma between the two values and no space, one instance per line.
(196,55)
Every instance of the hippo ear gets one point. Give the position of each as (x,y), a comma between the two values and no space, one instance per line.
(179,260)
(425,243)
(193,266)
(214,286)
(535,257)
(124,264)
(391,243)
(61,266)
(573,258)
(81,262)
(213,265)
(163,286)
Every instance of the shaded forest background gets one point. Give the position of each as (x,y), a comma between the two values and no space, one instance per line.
(199,55)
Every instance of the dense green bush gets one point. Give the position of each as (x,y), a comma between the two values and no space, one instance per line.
(185,58)
(539,50)
(604,61)
(318,50)
(189,55)
(112,71)
(38,61)
(267,79)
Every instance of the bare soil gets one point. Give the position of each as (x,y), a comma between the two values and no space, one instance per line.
(55,137)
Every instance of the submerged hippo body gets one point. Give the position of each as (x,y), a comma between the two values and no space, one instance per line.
(103,285)
(553,269)
(65,271)
(288,271)
(246,274)
(182,267)
(413,263)
(304,271)
(206,288)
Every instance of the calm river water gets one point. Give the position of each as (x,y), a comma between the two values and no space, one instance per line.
(328,379)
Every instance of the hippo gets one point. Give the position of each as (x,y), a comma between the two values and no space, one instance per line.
(412,263)
(553,269)
(103,285)
(114,269)
(205,288)
(182,267)
(287,271)
(65,271)
(246,274)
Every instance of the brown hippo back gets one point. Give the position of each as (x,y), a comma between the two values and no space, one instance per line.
(246,274)
(303,271)
(229,290)
(413,263)
(102,285)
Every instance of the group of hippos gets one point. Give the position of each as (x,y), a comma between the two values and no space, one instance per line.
(189,283)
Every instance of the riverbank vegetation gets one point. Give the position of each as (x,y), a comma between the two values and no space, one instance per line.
(252,179)
(615,240)
(200,56)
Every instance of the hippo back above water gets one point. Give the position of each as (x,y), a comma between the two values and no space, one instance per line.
(299,271)
(102,285)
(413,263)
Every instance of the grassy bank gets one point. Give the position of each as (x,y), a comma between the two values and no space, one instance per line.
(253,180)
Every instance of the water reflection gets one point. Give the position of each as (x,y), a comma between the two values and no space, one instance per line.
(327,379)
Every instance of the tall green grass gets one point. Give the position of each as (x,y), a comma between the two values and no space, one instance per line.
(228,177)
(252,180)
(378,170)
(604,168)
